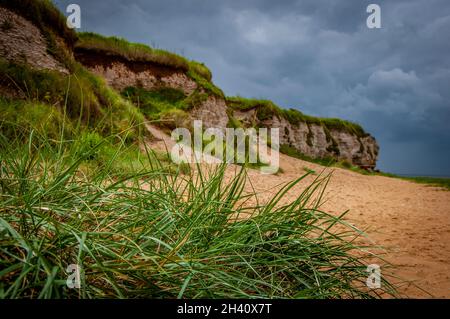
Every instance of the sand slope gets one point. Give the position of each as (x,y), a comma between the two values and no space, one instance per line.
(412,221)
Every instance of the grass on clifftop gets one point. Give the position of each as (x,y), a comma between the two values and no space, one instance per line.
(267,109)
(140,52)
(147,233)
(131,51)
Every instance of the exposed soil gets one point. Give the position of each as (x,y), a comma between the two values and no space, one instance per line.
(22,42)
(121,73)
(92,57)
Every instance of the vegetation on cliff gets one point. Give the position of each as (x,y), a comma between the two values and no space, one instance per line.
(167,107)
(266,110)
(51,22)
(82,96)
(136,52)
(44,15)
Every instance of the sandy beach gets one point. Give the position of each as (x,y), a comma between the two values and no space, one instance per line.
(410,221)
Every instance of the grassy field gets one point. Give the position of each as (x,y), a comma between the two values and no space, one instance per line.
(431,181)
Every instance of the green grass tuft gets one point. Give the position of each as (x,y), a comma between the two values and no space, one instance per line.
(200,69)
(82,96)
(130,51)
(25,117)
(148,233)
(167,107)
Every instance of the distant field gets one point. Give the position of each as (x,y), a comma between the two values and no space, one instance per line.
(432,181)
(444,182)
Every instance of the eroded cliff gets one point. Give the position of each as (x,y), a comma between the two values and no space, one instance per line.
(316,139)
(169,87)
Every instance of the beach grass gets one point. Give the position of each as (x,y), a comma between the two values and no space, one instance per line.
(149,232)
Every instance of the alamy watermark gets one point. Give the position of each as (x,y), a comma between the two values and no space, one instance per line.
(216,145)
(74,17)
(74,276)
(374,19)
(374,279)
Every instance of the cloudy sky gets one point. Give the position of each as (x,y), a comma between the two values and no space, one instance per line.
(316,56)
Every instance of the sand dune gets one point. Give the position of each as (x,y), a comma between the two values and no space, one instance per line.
(412,221)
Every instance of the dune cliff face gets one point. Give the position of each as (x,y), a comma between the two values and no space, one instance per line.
(120,73)
(316,141)
(22,42)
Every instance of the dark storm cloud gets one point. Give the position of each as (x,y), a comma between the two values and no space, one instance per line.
(317,56)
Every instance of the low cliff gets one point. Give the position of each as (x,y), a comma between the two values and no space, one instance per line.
(313,137)
(127,66)
(163,86)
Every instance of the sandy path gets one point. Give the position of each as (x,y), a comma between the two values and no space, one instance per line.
(412,221)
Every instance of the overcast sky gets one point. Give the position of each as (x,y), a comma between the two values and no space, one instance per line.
(316,56)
